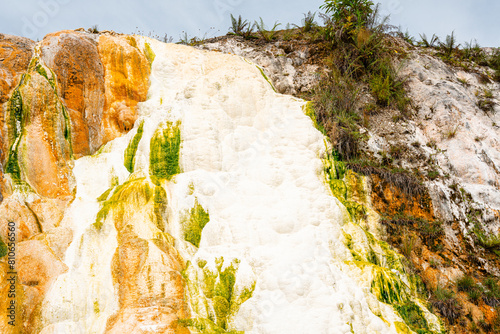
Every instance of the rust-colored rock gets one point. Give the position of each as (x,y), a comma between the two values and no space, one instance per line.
(44,151)
(75,60)
(15,55)
(127,73)
(388,199)
(26,223)
(146,267)
(37,268)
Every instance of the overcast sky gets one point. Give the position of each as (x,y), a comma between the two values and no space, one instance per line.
(34,18)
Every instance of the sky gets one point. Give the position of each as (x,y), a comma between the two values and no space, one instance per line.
(469,19)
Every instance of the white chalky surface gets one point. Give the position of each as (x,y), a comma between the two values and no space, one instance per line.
(253,160)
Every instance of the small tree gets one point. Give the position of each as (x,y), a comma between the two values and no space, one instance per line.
(349,15)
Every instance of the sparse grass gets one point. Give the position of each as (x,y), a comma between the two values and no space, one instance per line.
(472,52)
(167,39)
(494,64)
(94,29)
(485,105)
(467,284)
(184,39)
(430,232)
(491,294)
(464,82)
(407,183)
(434,263)
(486,239)
(335,101)
(444,300)
(450,132)
(406,36)
(432,175)
(488,94)
(408,244)
(288,32)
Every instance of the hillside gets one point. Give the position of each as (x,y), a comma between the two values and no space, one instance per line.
(164,188)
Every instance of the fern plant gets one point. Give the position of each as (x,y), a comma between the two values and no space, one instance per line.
(308,23)
(449,45)
(240,27)
(268,35)
(425,42)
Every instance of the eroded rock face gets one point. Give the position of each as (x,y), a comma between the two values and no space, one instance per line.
(43,151)
(59,103)
(126,71)
(15,55)
(75,60)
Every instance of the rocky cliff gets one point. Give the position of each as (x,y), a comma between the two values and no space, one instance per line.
(159,188)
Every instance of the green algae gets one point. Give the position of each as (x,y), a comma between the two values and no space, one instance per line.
(130,151)
(150,55)
(391,283)
(137,193)
(131,41)
(308,109)
(265,77)
(214,296)
(3,248)
(402,328)
(160,205)
(16,111)
(104,196)
(339,178)
(164,151)
(388,287)
(413,316)
(194,222)
(41,70)
(97,310)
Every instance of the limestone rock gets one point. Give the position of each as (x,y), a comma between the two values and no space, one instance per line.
(75,60)
(126,70)
(15,55)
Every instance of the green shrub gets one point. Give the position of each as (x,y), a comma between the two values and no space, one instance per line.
(428,43)
(491,294)
(308,23)
(349,15)
(335,101)
(445,302)
(465,283)
(449,45)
